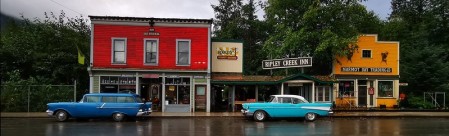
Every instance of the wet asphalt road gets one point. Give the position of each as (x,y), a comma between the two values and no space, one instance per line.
(225,126)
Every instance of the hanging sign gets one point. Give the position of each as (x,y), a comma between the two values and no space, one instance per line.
(287,63)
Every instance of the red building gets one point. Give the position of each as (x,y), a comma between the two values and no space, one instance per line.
(153,57)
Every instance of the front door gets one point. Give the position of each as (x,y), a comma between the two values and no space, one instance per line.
(362,93)
(200,98)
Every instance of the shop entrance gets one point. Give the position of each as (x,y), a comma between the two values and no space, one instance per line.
(220,96)
(200,98)
(151,91)
(362,92)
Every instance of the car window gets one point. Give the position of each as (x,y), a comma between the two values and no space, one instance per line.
(125,99)
(285,100)
(273,99)
(296,101)
(109,99)
(92,99)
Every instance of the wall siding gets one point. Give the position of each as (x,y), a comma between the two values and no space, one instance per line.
(135,46)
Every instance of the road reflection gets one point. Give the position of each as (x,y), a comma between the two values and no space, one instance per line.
(226,126)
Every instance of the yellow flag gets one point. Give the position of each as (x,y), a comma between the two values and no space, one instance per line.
(80,56)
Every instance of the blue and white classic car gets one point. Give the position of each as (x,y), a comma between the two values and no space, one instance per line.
(285,106)
(98,105)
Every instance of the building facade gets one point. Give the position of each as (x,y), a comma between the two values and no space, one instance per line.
(164,60)
(369,76)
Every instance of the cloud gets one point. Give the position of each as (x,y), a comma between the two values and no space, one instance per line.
(131,8)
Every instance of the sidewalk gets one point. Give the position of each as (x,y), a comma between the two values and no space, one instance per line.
(238,114)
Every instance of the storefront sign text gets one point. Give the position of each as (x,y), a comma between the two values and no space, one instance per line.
(151,32)
(364,69)
(287,63)
(227,53)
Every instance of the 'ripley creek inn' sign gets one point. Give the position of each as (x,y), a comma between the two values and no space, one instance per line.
(287,63)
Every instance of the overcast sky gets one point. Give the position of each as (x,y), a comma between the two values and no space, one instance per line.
(199,9)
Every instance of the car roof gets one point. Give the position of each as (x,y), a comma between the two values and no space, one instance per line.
(110,94)
(289,95)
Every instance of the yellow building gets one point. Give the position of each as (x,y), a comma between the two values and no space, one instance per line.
(368,77)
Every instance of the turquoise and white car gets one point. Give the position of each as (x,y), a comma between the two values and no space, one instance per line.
(286,106)
(101,105)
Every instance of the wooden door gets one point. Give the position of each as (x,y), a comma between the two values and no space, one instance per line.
(200,97)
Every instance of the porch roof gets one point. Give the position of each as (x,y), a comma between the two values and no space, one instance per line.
(239,79)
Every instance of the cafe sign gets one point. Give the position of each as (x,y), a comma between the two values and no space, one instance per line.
(287,63)
(227,53)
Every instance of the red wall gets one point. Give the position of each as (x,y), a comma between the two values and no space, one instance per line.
(103,35)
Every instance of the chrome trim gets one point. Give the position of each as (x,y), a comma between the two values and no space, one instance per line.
(50,113)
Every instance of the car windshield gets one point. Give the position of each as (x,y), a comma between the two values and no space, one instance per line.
(272,99)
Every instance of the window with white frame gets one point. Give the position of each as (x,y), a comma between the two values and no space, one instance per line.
(322,93)
(151,51)
(119,50)
(385,88)
(182,52)
(366,53)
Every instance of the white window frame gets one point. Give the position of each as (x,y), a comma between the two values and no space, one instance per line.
(113,48)
(324,92)
(145,51)
(370,53)
(190,51)
(392,89)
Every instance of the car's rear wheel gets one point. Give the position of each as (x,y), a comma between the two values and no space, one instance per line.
(260,115)
(118,117)
(310,116)
(62,115)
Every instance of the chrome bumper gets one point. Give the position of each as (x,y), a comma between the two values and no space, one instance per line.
(246,113)
(143,113)
(50,113)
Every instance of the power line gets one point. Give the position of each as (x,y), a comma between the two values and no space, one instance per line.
(65,7)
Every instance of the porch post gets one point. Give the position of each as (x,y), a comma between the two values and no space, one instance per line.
(313,91)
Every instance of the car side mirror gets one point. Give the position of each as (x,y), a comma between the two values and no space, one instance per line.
(295,102)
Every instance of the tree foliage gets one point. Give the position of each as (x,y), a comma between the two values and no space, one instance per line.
(237,20)
(422,27)
(322,29)
(45,49)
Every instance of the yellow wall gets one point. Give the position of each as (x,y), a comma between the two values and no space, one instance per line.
(388,102)
(232,62)
(369,42)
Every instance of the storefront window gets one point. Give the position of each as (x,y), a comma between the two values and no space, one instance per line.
(385,88)
(322,93)
(346,89)
(177,90)
(117,84)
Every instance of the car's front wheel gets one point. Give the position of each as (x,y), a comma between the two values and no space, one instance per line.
(62,115)
(260,115)
(310,116)
(118,117)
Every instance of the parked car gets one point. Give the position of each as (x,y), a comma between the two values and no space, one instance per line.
(98,105)
(285,106)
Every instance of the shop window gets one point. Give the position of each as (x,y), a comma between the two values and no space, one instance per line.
(177,90)
(151,51)
(322,93)
(385,88)
(183,52)
(346,89)
(119,50)
(117,84)
(366,53)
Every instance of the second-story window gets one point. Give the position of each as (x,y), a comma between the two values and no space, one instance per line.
(151,51)
(182,52)
(119,50)
(366,53)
